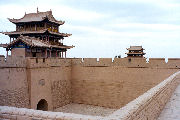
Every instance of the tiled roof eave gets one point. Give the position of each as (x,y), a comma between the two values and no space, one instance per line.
(35,42)
(36,32)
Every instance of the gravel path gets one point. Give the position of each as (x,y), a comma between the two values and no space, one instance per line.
(85,109)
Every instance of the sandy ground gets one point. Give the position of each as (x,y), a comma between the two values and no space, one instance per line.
(85,109)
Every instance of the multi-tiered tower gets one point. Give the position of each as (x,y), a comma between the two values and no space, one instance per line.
(37,35)
(135,51)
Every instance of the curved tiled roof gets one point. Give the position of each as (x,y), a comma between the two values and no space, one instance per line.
(135,48)
(36,17)
(36,32)
(35,42)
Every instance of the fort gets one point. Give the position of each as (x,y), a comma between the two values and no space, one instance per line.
(38,76)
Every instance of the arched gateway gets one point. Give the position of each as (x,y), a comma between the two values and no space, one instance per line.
(42,105)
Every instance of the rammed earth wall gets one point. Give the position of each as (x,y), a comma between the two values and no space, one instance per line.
(147,106)
(88,81)
(13,83)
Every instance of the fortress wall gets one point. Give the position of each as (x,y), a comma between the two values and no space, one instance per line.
(105,61)
(114,86)
(50,80)
(174,63)
(90,62)
(157,63)
(149,105)
(12,113)
(13,82)
(90,79)
(12,62)
(47,62)
(40,87)
(135,62)
(60,86)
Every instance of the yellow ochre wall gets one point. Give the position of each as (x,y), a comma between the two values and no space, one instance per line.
(61,81)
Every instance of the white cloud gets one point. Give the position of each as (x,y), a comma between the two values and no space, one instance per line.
(59,11)
(101,34)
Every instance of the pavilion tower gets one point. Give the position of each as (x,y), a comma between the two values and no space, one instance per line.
(37,35)
(135,51)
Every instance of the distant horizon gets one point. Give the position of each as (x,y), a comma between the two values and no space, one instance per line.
(104,29)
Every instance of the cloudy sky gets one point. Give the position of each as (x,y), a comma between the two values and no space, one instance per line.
(105,28)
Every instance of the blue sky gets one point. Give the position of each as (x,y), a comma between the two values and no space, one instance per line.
(105,28)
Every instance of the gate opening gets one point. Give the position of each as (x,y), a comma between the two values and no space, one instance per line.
(42,105)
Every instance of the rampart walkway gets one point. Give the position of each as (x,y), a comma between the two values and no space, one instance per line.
(172,108)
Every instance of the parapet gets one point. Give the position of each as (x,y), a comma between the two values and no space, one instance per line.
(173,63)
(149,105)
(14,113)
(157,63)
(47,62)
(12,61)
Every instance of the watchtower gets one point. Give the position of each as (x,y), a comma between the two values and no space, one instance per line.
(135,51)
(37,35)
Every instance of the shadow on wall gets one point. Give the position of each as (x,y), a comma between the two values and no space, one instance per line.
(42,105)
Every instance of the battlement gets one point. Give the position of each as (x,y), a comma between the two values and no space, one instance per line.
(30,62)
(47,62)
(12,61)
(173,63)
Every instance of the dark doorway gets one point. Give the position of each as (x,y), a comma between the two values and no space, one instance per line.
(34,54)
(42,105)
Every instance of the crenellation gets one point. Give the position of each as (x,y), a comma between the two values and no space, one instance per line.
(105,62)
(37,62)
(136,62)
(157,63)
(174,63)
(48,62)
(76,61)
(54,62)
(90,62)
(13,62)
(2,58)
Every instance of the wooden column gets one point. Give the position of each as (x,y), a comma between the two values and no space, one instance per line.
(48,38)
(45,25)
(50,53)
(35,27)
(62,54)
(10,39)
(46,53)
(65,54)
(51,27)
(24,27)
(56,53)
